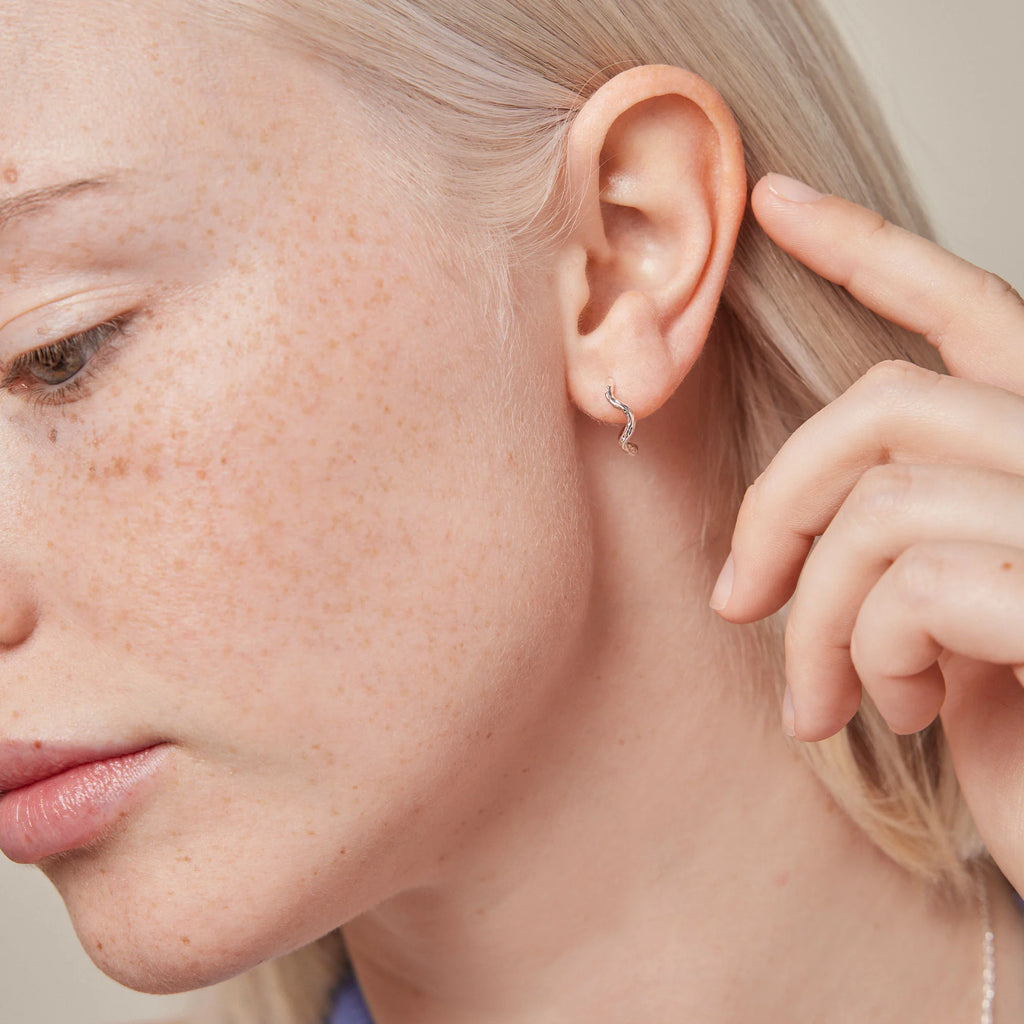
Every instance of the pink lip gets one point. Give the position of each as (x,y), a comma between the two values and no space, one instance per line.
(59,799)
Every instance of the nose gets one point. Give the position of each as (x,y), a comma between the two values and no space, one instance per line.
(18,614)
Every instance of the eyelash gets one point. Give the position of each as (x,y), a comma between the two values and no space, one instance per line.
(93,347)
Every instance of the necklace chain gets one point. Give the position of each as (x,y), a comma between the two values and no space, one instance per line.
(988,952)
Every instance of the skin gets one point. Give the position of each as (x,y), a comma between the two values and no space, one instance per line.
(412,658)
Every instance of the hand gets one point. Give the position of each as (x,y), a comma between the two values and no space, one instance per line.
(914,484)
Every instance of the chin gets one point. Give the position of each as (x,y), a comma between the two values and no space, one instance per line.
(151,955)
(166,915)
(169,934)
(158,969)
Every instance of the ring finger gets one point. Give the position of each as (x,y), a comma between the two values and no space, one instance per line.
(890,509)
(963,597)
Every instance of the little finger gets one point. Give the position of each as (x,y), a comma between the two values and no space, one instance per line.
(962,597)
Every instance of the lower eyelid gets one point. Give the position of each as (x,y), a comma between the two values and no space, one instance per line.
(19,379)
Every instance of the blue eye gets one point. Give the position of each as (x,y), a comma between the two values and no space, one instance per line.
(56,373)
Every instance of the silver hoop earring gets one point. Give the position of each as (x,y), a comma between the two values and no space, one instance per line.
(627,447)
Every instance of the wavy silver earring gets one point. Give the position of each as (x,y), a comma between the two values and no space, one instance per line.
(627,447)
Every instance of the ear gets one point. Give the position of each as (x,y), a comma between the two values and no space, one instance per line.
(655,166)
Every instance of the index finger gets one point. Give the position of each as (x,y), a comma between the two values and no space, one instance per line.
(974,319)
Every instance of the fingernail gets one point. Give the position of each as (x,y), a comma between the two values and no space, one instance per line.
(792,190)
(788,714)
(723,587)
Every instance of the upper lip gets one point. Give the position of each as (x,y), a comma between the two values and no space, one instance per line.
(25,763)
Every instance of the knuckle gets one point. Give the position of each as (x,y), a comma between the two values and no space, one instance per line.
(892,375)
(873,234)
(760,499)
(918,575)
(875,225)
(992,288)
(881,494)
(894,383)
(984,291)
(747,513)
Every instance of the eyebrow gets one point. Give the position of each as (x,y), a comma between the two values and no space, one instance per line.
(41,199)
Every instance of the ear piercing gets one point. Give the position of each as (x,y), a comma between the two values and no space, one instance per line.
(627,447)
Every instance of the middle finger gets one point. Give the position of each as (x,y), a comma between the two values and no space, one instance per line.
(897,412)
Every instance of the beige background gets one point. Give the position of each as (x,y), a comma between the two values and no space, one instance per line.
(950,76)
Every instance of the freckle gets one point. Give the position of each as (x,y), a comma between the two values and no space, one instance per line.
(1007,566)
(99,945)
(186,941)
(341,852)
(53,435)
(10,175)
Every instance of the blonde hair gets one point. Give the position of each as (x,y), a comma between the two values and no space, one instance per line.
(487,90)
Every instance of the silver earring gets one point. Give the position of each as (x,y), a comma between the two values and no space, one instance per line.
(627,447)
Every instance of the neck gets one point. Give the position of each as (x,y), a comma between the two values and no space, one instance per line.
(661,852)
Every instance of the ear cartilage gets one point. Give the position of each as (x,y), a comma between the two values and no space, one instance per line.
(627,447)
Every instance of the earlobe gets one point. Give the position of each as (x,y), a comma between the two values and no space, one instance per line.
(656,167)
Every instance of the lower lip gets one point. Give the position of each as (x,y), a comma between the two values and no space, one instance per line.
(74,808)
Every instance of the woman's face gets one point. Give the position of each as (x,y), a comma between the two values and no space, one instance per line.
(285,526)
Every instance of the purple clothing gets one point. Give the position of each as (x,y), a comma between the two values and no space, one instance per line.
(350,1008)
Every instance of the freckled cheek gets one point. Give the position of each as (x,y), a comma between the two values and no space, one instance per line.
(272,507)
(191,529)
(273,520)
